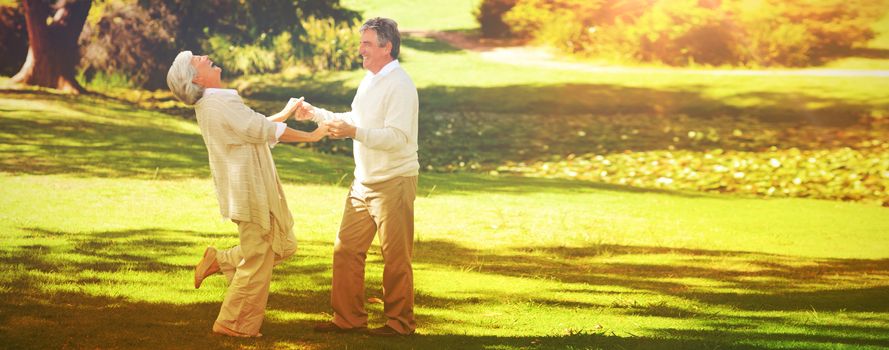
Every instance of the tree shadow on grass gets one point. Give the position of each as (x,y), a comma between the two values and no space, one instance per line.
(494,125)
(71,320)
(790,108)
(33,315)
(431,184)
(767,285)
(456,126)
(141,250)
(782,283)
(523,121)
(93,147)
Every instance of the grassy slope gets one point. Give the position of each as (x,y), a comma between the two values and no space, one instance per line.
(95,239)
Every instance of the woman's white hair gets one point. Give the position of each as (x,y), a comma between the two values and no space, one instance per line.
(180,79)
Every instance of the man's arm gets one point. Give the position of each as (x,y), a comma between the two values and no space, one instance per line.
(306,111)
(401,115)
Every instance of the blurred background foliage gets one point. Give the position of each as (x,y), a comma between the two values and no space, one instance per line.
(130,42)
(13,38)
(750,33)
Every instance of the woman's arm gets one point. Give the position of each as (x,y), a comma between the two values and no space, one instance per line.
(292,135)
(288,110)
(247,125)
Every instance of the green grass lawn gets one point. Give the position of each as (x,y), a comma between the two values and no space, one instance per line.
(420,15)
(452,79)
(106,206)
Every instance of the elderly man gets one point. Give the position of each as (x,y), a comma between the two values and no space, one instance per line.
(247,188)
(383,127)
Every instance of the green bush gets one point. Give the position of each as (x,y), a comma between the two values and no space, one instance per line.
(241,59)
(283,48)
(330,45)
(325,45)
(776,41)
(123,39)
(543,19)
(797,33)
(137,39)
(490,17)
(683,32)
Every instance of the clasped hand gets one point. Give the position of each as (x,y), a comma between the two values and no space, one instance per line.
(337,129)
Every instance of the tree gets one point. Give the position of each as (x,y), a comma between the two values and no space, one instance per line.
(53,54)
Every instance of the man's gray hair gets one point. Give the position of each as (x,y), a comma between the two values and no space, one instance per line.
(180,79)
(387,31)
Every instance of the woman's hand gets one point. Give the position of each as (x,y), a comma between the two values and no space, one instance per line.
(303,111)
(292,107)
(320,132)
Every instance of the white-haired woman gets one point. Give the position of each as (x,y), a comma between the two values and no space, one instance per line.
(247,188)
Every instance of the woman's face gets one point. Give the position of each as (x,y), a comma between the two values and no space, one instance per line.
(207,72)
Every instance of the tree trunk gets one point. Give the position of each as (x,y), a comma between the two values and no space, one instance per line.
(53,54)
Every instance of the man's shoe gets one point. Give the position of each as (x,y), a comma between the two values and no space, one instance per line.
(385,331)
(202,270)
(330,327)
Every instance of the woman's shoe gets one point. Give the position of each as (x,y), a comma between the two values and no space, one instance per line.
(220,329)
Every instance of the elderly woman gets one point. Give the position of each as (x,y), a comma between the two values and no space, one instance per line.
(247,188)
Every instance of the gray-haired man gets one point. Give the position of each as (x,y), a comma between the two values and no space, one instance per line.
(383,127)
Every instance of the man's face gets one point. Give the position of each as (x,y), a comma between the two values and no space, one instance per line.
(206,70)
(375,57)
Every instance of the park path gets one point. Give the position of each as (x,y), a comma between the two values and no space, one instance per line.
(511,52)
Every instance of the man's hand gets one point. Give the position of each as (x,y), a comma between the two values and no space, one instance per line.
(304,111)
(320,132)
(339,129)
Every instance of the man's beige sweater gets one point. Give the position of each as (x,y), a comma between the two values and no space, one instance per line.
(247,184)
(385,113)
